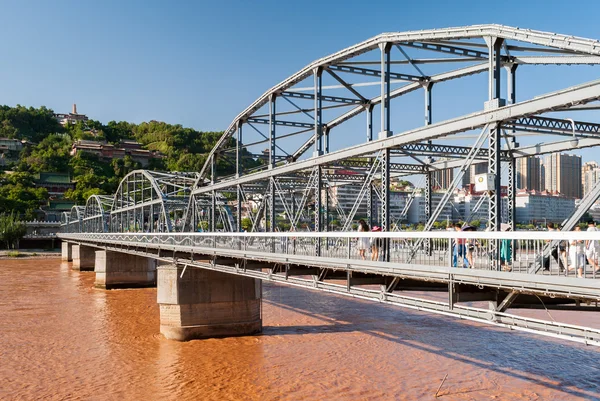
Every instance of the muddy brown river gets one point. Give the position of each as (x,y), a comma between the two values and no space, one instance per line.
(61,339)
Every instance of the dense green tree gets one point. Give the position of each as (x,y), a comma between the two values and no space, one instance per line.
(18,194)
(51,154)
(12,229)
(28,123)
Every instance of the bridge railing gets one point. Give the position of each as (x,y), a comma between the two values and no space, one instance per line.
(572,254)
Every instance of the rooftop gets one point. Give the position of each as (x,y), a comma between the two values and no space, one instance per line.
(53,178)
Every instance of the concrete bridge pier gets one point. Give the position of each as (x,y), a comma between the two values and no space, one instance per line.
(83,257)
(66,251)
(123,270)
(205,303)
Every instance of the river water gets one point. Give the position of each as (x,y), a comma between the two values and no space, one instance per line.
(61,339)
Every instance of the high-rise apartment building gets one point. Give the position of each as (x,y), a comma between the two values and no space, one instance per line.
(441,179)
(528,173)
(590,175)
(563,174)
(475,169)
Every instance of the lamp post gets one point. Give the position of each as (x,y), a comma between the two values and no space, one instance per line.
(574,141)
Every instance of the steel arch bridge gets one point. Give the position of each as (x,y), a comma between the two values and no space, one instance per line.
(96,218)
(357,121)
(151,201)
(316,109)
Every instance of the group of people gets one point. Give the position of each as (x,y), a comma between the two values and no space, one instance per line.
(574,253)
(365,243)
(463,253)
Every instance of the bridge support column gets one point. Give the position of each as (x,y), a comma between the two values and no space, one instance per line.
(66,251)
(122,270)
(205,303)
(83,257)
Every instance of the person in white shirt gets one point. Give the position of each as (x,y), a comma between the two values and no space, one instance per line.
(577,254)
(363,242)
(591,248)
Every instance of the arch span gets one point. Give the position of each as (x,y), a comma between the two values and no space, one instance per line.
(96,217)
(151,201)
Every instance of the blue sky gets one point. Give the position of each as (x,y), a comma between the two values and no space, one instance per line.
(200,63)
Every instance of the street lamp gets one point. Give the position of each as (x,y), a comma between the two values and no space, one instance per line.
(574,142)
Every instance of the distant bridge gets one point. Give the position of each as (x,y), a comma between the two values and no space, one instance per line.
(157,216)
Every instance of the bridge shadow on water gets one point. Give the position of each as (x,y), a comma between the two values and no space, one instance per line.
(568,367)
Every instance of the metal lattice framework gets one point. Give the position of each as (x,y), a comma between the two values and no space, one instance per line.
(151,201)
(280,184)
(316,109)
(96,217)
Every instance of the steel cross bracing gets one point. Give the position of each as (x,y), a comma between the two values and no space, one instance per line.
(448,194)
(463,41)
(586,203)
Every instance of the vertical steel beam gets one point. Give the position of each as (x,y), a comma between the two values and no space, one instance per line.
(213,195)
(512,99)
(370,189)
(428,175)
(325,207)
(272,117)
(494,145)
(238,151)
(385,154)
(271,205)
(318,185)
(428,113)
(385,88)
(318,73)
(239,208)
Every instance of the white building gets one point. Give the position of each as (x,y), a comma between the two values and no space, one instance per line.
(467,207)
(416,212)
(542,206)
(590,175)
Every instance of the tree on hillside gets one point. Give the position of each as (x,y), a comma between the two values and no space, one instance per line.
(51,154)
(11,230)
(18,194)
(28,123)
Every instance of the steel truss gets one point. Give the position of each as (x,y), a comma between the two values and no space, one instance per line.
(150,201)
(96,218)
(293,129)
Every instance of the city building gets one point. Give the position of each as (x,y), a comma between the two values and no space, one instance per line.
(529,173)
(474,169)
(108,151)
(56,183)
(563,174)
(590,175)
(469,205)
(535,207)
(441,179)
(416,211)
(71,118)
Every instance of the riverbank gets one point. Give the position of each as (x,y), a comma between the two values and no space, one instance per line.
(30,254)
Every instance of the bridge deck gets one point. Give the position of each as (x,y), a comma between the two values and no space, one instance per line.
(285,258)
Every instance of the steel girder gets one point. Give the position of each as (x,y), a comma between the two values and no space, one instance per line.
(151,201)
(451,39)
(548,125)
(575,95)
(97,213)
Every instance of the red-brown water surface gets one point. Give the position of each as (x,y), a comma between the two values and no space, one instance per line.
(61,339)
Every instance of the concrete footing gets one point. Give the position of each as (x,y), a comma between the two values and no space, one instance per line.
(66,255)
(122,270)
(205,303)
(83,257)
